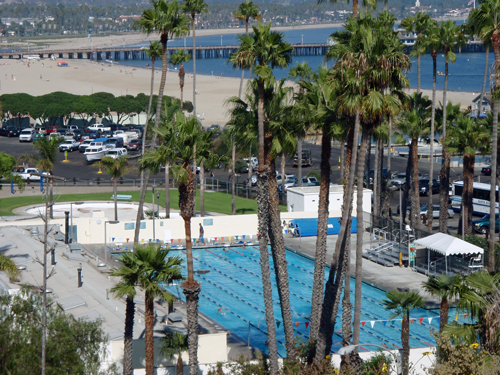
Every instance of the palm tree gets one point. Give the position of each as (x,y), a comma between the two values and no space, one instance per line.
(451,37)
(263,50)
(126,289)
(169,22)
(487,18)
(174,343)
(246,11)
(467,137)
(179,58)
(479,298)
(115,168)
(280,130)
(415,124)
(48,148)
(418,24)
(446,288)
(361,51)
(303,72)
(402,303)
(153,52)
(154,267)
(191,143)
(194,7)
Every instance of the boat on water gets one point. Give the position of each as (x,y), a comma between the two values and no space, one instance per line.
(94,153)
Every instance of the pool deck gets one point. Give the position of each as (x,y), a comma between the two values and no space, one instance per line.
(386,278)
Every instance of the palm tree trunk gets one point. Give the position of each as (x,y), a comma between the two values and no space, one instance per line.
(147,118)
(355,8)
(149,335)
(468,172)
(233,182)
(263,217)
(299,163)
(407,184)
(444,309)
(339,262)
(167,190)
(115,192)
(128,337)
(445,166)
(250,172)
(320,255)
(179,369)
(243,70)
(144,185)
(195,182)
(193,16)
(415,196)
(494,156)
(140,208)
(485,76)
(419,70)
(202,190)
(389,147)
(376,181)
(433,118)
(283,164)
(278,252)
(494,184)
(342,162)
(359,239)
(190,287)
(405,342)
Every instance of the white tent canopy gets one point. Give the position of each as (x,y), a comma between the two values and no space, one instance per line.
(449,245)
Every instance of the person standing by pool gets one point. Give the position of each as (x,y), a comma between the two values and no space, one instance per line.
(202,233)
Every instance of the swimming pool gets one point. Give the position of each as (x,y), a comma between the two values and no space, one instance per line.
(231,295)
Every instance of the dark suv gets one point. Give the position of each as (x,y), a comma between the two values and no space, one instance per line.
(483,225)
(135,145)
(9,131)
(423,186)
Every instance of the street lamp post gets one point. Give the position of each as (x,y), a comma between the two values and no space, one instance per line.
(106,238)
(71,209)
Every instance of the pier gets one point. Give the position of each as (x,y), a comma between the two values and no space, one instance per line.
(136,53)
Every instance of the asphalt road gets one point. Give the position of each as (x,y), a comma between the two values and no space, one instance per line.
(76,167)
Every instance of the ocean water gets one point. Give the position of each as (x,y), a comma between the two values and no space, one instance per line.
(466,74)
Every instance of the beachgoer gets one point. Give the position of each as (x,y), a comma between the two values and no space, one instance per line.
(202,232)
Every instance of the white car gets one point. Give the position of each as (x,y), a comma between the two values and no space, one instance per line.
(115,153)
(86,143)
(27,135)
(435,211)
(24,173)
(70,146)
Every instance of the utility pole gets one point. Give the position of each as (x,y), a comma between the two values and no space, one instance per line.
(44,260)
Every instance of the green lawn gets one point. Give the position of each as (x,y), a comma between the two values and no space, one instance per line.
(214,202)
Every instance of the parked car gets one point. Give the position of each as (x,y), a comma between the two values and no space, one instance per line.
(483,225)
(24,173)
(56,135)
(38,136)
(215,127)
(82,146)
(9,131)
(51,129)
(40,130)
(135,145)
(27,135)
(117,141)
(423,186)
(398,180)
(287,177)
(254,180)
(435,211)
(486,170)
(115,153)
(69,145)
(106,134)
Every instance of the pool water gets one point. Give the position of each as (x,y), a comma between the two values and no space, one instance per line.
(231,295)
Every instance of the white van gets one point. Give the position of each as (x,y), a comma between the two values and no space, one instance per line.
(26,135)
(115,153)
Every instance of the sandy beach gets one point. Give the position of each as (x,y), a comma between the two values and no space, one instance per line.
(84,77)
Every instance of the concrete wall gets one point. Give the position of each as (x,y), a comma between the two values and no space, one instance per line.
(212,348)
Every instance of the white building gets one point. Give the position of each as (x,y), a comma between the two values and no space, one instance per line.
(300,199)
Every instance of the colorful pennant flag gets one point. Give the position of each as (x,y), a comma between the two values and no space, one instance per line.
(297,324)
(307,325)
(363,324)
(372,323)
(412,320)
(421,320)
(278,323)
